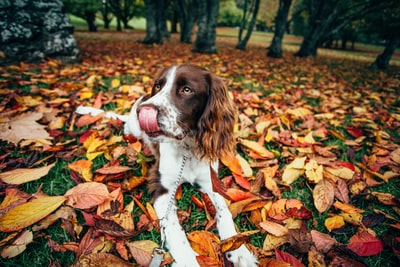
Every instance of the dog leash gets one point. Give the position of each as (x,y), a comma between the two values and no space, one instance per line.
(159,253)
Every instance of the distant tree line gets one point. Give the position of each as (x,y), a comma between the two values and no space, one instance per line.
(322,23)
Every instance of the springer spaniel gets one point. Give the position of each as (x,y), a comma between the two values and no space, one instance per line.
(188,115)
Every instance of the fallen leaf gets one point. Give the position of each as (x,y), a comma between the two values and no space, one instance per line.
(256,147)
(87,195)
(334,222)
(364,244)
(101,259)
(323,242)
(141,251)
(315,258)
(23,175)
(17,246)
(323,195)
(286,257)
(22,127)
(83,168)
(274,228)
(29,213)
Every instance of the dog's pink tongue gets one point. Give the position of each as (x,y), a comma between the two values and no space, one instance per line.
(148,119)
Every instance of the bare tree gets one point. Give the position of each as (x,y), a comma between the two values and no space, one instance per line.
(329,16)
(250,9)
(275,50)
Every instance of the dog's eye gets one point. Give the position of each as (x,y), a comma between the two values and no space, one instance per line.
(186,90)
(157,86)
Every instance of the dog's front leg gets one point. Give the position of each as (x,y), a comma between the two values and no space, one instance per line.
(172,232)
(240,257)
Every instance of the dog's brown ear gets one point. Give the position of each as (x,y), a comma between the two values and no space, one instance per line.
(215,127)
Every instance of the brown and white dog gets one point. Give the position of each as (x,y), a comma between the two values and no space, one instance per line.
(188,114)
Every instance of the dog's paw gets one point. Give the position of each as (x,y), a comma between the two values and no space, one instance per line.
(242,257)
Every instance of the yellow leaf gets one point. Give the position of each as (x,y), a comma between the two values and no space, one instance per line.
(344,172)
(299,112)
(247,171)
(309,139)
(334,222)
(256,147)
(313,171)
(290,175)
(29,213)
(271,242)
(348,208)
(23,175)
(353,218)
(115,83)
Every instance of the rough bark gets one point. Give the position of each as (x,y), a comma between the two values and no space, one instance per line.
(382,60)
(207,22)
(243,42)
(186,10)
(275,50)
(153,35)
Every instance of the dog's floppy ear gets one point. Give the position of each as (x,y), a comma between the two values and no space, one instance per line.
(215,126)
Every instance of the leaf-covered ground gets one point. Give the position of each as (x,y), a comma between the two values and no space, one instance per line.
(315,181)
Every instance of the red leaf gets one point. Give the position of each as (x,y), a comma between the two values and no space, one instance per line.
(365,244)
(286,257)
(354,131)
(237,194)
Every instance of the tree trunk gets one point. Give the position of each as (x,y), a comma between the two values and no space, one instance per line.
(105,14)
(382,60)
(91,21)
(207,22)
(243,42)
(162,18)
(153,35)
(186,10)
(275,50)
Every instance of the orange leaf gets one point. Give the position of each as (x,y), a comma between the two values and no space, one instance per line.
(232,163)
(237,194)
(83,168)
(87,195)
(205,243)
(240,180)
(29,213)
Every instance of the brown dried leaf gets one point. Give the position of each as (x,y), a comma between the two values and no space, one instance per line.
(22,127)
(323,242)
(323,195)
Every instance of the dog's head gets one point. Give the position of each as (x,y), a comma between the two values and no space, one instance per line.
(188,102)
